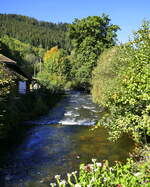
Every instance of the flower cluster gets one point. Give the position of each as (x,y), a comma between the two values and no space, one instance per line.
(100,174)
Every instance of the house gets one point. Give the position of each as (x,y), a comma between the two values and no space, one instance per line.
(22,79)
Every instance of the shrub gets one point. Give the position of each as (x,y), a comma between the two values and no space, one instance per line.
(100,174)
(127,92)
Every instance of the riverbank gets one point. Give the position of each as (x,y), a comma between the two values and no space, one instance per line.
(16,110)
(101,174)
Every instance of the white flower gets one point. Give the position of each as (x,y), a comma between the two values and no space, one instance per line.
(93,179)
(53,184)
(74,172)
(137,174)
(91,165)
(111,169)
(77,185)
(96,169)
(99,164)
(93,160)
(63,182)
(57,176)
(69,174)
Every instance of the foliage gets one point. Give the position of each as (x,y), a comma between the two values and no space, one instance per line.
(24,54)
(89,36)
(100,174)
(56,69)
(34,32)
(104,74)
(6,81)
(18,109)
(126,87)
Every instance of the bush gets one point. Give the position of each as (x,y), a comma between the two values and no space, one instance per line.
(23,108)
(100,174)
(126,89)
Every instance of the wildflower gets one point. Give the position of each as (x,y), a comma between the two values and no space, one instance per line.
(91,165)
(93,179)
(105,164)
(69,174)
(63,182)
(99,164)
(57,176)
(96,169)
(93,160)
(69,179)
(137,174)
(77,185)
(74,172)
(88,167)
(53,184)
(110,168)
(118,185)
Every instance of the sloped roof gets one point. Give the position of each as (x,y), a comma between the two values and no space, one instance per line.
(11,64)
(6,59)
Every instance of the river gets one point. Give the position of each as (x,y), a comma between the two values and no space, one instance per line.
(59,142)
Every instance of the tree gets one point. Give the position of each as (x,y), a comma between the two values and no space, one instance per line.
(24,54)
(56,69)
(36,33)
(90,36)
(126,93)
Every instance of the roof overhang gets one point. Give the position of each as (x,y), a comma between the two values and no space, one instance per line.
(11,64)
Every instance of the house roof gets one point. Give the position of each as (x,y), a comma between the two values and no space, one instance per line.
(11,64)
(6,59)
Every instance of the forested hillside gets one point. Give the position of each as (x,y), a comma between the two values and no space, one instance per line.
(26,55)
(30,30)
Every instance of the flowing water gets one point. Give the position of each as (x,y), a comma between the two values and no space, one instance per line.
(59,142)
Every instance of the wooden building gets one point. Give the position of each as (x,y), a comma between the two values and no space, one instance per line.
(22,79)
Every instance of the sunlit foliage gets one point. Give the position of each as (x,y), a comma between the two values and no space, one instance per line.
(99,174)
(89,36)
(24,54)
(121,82)
(56,69)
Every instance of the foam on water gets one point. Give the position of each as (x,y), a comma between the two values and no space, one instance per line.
(73,122)
(68,113)
(76,109)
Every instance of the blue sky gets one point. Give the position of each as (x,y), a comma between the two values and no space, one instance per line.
(128,14)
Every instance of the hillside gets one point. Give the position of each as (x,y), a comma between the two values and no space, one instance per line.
(30,30)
